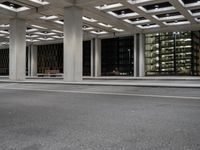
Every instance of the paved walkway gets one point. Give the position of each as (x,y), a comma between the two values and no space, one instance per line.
(188,82)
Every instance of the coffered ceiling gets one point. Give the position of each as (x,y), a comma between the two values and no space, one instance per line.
(102,18)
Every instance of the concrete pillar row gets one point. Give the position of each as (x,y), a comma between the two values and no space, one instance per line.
(136,55)
(73,37)
(33,61)
(92,63)
(139,55)
(17,54)
(97,55)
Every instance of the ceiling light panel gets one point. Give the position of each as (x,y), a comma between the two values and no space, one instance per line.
(85,28)
(56,31)
(31,29)
(138,1)
(105,25)
(58,37)
(40,27)
(4,25)
(89,19)
(148,26)
(177,22)
(45,33)
(169,16)
(195,12)
(99,32)
(46,39)
(32,40)
(31,36)
(13,6)
(59,22)
(139,20)
(190,3)
(123,13)
(109,6)
(158,7)
(49,17)
(41,2)
(118,30)
(197,19)
(4,31)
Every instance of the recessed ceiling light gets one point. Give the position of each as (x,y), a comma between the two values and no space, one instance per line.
(85,27)
(137,1)
(89,19)
(104,25)
(148,26)
(31,30)
(46,39)
(31,36)
(13,7)
(49,17)
(99,32)
(40,27)
(31,40)
(109,6)
(4,32)
(4,25)
(56,31)
(41,2)
(118,30)
(45,33)
(59,22)
(58,37)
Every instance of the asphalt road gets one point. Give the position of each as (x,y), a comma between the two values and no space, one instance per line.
(74,117)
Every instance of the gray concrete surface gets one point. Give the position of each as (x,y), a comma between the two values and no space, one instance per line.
(176,82)
(75,117)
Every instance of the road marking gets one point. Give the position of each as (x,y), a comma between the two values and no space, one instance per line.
(103,93)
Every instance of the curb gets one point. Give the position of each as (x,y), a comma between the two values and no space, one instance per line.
(108,84)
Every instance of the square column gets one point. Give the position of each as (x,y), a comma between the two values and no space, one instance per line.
(28,59)
(33,60)
(136,55)
(92,57)
(17,54)
(73,38)
(97,57)
(141,55)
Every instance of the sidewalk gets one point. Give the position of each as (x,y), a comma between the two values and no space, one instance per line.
(189,82)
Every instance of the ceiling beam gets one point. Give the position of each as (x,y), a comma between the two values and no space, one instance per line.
(179,7)
(106,18)
(142,13)
(194,27)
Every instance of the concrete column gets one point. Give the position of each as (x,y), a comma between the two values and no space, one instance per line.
(142,55)
(73,38)
(92,58)
(17,54)
(97,57)
(136,55)
(29,60)
(33,60)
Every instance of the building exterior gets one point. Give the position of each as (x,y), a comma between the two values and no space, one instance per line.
(99,38)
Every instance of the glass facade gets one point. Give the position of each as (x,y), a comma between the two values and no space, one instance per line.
(4,62)
(118,56)
(50,59)
(86,58)
(172,53)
